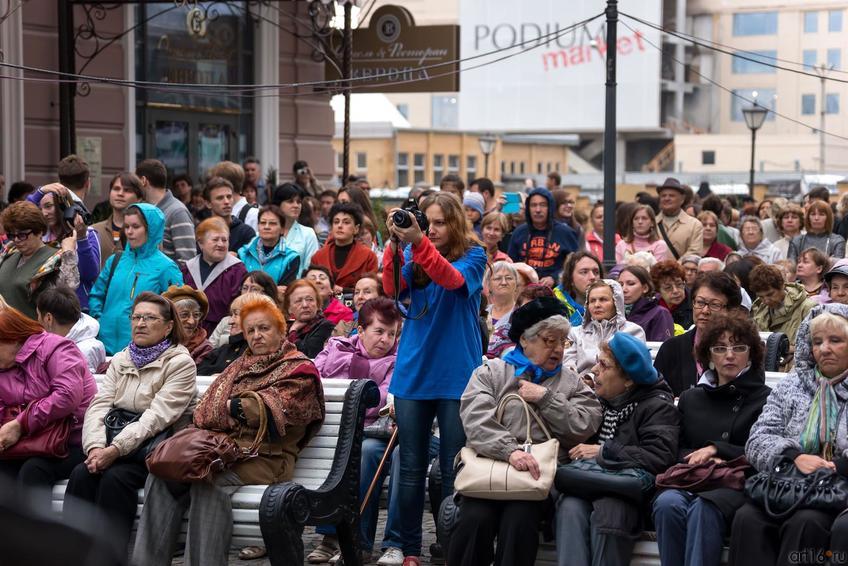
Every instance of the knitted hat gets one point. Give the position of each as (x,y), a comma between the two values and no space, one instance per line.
(535,311)
(176,294)
(634,358)
(475,201)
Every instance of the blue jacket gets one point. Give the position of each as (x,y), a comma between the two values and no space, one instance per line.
(544,250)
(142,269)
(282,264)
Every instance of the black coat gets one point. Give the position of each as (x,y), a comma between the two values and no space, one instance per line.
(221,357)
(676,362)
(648,438)
(240,234)
(722,416)
(683,314)
(310,339)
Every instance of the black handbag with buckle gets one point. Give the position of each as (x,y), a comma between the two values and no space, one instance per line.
(783,489)
(117,419)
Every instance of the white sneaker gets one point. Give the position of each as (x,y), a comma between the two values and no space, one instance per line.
(392,557)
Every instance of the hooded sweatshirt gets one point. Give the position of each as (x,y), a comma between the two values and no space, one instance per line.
(145,268)
(84,335)
(544,250)
(586,339)
(779,428)
(765,250)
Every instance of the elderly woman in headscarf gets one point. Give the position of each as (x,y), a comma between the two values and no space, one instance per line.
(605,315)
(534,370)
(291,395)
(804,421)
(192,308)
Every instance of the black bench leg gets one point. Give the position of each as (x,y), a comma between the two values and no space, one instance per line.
(282,514)
(348,544)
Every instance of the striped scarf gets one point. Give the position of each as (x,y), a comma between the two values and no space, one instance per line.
(819,435)
(614,418)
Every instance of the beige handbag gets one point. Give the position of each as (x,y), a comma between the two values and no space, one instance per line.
(485,478)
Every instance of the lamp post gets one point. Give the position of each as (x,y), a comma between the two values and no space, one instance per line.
(755,116)
(487,146)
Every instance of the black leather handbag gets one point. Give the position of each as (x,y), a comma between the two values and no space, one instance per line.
(117,419)
(783,489)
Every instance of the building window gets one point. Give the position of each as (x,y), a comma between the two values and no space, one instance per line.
(512,167)
(834,58)
(471,168)
(755,23)
(831,103)
(503,167)
(521,168)
(361,160)
(834,21)
(403,110)
(548,167)
(339,163)
(746,66)
(418,168)
(558,168)
(438,168)
(809,56)
(453,164)
(808,104)
(765,97)
(708,157)
(539,168)
(403,170)
(445,112)
(811,22)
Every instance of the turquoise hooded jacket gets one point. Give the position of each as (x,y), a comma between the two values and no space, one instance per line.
(142,269)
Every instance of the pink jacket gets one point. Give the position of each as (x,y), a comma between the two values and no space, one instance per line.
(343,357)
(51,376)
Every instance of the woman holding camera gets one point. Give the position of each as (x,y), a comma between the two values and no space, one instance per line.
(442,275)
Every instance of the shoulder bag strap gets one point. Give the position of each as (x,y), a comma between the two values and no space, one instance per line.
(116,257)
(671,247)
(528,412)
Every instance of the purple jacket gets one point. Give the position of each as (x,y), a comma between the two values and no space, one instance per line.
(655,320)
(346,358)
(51,376)
(222,285)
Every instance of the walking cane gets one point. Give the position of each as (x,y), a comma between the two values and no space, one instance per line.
(388,451)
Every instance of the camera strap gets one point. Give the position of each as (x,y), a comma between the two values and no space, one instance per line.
(396,277)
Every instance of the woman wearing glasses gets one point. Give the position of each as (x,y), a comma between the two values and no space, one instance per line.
(141,267)
(716,418)
(713,293)
(154,377)
(780,306)
(670,280)
(27,265)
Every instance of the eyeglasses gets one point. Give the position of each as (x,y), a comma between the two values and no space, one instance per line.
(668,287)
(504,278)
(701,304)
(550,341)
(723,350)
(20,236)
(145,318)
(185,315)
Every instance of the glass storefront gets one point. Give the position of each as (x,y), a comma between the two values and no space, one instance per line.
(191,130)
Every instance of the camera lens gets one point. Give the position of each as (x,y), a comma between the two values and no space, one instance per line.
(401,219)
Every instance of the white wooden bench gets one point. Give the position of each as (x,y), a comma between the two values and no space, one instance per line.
(321,467)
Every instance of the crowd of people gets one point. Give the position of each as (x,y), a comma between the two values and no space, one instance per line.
(270,290)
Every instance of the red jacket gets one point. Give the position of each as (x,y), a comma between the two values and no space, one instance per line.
(360,260)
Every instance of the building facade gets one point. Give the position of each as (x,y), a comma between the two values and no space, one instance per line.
(164,43)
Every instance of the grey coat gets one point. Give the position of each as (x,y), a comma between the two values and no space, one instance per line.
(569,409)
(784,416)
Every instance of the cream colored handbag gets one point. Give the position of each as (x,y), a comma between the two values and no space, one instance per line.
(485,478)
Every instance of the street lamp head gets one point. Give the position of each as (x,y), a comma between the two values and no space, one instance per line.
(487,144)
(755,116)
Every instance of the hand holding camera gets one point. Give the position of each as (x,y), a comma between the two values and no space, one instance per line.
(408,223)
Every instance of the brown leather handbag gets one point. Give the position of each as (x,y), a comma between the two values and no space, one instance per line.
(705,477)
(196,454)
(51,441)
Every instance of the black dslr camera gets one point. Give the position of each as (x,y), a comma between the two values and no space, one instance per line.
(69,208)
(403,218)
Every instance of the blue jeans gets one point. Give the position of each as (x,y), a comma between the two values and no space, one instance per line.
(690,530)
(415,421)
